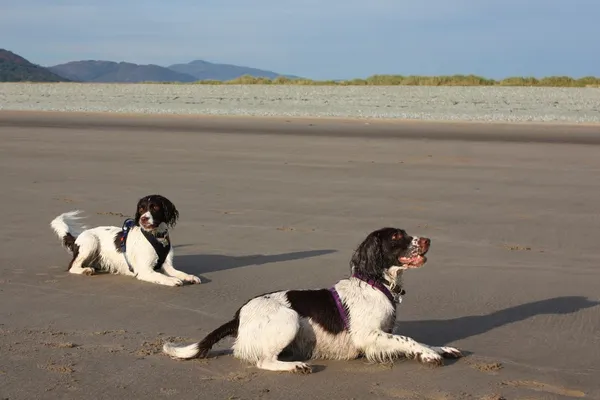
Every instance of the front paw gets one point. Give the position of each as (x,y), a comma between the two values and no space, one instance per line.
(430,357)
(193,279)
(449,352)
(174,282)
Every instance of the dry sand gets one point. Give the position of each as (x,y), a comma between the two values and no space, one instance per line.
(512,278)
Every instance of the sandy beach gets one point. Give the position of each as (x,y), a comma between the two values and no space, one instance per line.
(512,278)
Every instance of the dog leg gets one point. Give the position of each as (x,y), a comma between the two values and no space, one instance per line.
(168,269)
(155,277)
(85,246)
(380,346)
(81,270)
(266,328)
(284,366)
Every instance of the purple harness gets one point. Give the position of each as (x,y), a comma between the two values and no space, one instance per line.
(372,283)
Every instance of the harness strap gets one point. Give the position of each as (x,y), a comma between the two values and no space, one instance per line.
(340,307)
(127,225)
(162,250)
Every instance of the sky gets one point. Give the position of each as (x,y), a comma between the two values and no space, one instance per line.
(318,39)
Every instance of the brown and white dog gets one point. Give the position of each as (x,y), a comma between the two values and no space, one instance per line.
(141,249)
(354,318)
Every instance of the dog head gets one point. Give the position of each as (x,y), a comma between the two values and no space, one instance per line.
(386,252)
(156,212)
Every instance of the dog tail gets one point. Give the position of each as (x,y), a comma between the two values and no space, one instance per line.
(67,228)
(201,349)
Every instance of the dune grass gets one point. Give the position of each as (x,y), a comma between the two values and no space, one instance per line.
(416,80)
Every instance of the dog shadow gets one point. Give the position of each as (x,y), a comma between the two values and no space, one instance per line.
(441,332)
(204,263)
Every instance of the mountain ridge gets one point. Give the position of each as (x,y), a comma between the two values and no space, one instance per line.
(15,68)
(206,70)
(118,72)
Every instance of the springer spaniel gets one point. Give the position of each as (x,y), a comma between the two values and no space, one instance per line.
(141,248)
(354,318)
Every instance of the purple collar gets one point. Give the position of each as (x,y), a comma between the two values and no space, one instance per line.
(378,286)
(340,307)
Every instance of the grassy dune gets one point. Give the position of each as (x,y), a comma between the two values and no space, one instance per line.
(416,80)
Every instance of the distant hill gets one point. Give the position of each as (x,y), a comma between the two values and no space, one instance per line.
(204,70)
(14,68)
(122,72)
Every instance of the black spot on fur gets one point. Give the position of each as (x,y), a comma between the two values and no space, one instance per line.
(75,249)
(91,261)
(69,242)
(318,305)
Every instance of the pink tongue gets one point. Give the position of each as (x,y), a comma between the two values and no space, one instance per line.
(411,260)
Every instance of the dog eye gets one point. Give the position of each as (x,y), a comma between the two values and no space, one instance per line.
(396,236)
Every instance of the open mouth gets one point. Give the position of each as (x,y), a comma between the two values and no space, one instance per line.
(413,261)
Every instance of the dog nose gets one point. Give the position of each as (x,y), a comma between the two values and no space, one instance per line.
(424,242)
(144,219)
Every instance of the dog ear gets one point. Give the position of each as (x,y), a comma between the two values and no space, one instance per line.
(368,259)
(138,215)
(171,212)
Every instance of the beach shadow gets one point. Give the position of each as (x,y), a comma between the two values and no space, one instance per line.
(205,263)
(444,331)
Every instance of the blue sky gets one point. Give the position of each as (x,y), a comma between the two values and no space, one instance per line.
(319,39)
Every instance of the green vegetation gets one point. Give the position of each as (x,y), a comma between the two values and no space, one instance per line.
(416,80)
(14,68)
(11,72)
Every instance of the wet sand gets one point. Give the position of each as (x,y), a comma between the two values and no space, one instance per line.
(267,204)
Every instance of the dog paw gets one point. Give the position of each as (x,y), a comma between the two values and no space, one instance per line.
(87,271)
(302,368)
(449,352)
(193,279)
(430,357)
(174,282)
